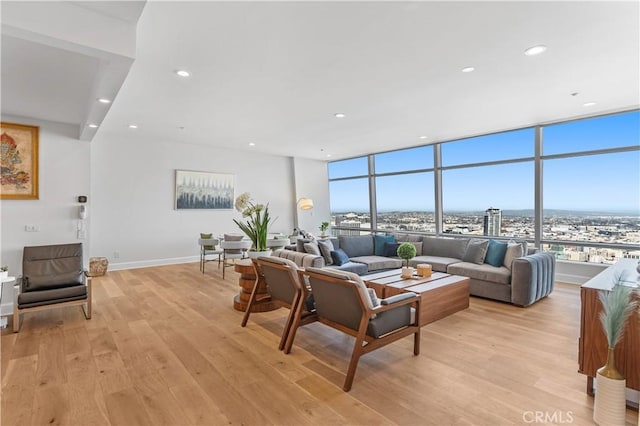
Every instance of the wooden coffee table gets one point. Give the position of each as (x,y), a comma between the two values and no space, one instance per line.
(441,294)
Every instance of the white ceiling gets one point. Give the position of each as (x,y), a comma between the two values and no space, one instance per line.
(274,73)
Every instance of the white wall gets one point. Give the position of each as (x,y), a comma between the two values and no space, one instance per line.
(133,186)
(312,181)
(63,175)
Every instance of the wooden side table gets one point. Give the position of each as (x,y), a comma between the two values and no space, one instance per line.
(246,281)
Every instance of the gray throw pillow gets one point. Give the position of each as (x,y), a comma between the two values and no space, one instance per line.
(476,251)
(326,247)
(312,248)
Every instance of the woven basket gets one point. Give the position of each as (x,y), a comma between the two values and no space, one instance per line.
(98,266)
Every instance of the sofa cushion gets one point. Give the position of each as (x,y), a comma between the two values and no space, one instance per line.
(356,245)
(379,242)
(355,267)
(391,249)
(339,257)
(312,248)
(408,238)
(476,251)
(444,247)
(439,264)
(326,247)
(484,272)
(495,253)
(514,251)
(375,263)
(418,246)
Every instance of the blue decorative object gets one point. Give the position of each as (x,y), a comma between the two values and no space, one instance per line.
(391,249)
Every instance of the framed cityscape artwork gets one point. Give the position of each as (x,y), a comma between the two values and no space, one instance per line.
(19,161)
(204,190)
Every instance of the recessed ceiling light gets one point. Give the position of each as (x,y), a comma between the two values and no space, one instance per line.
(93,126)
(104,100)
(328,155)
(423,137)
(340,115)
(133,126)
(468,69)
(535,50)
(183,73)
(588,104)
(252,144)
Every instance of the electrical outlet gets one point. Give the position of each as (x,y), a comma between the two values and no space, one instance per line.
(31,228)
(116,254)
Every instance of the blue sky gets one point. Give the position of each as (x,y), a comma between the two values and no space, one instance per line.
(609,182)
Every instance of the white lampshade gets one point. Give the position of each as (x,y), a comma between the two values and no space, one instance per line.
(305,203)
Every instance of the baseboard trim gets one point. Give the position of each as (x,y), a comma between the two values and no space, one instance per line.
(151,263)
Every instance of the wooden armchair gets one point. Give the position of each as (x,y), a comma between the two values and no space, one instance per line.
(287,290)
(342,301)
(52,277)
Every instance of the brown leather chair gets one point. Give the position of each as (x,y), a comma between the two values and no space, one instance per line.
(342,301)
(52,277)
(286,290)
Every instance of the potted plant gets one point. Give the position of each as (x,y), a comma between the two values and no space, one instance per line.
(617,305)
(4,271)
(323,228)
(257,222)
(406,251)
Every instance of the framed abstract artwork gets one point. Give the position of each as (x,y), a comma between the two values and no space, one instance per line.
(204,190)
(19,161)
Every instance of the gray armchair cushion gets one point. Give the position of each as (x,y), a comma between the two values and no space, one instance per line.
(390,320)
(51,267)
(30,299)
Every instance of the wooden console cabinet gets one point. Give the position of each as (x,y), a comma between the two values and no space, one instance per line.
(592,345)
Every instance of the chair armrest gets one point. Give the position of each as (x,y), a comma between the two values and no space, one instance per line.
(396,301)
(532,278)
(397,298)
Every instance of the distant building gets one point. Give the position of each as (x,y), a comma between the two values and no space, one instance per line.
(492,221)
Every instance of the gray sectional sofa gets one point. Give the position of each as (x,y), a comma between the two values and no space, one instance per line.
(524,275)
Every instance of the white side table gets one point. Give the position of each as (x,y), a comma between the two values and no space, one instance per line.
(10,281)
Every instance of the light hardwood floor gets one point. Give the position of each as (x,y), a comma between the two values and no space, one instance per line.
(165,347)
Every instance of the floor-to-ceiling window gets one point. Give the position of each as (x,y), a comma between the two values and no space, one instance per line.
(404,190)
(488,185)
(349,196)
(585,178)
(591,188)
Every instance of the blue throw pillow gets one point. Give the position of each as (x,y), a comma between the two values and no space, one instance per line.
(339,257)
(391,249)
(379,242)
(495,253)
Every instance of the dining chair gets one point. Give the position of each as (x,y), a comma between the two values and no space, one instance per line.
(208,247)
(230,252)
(285,290)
